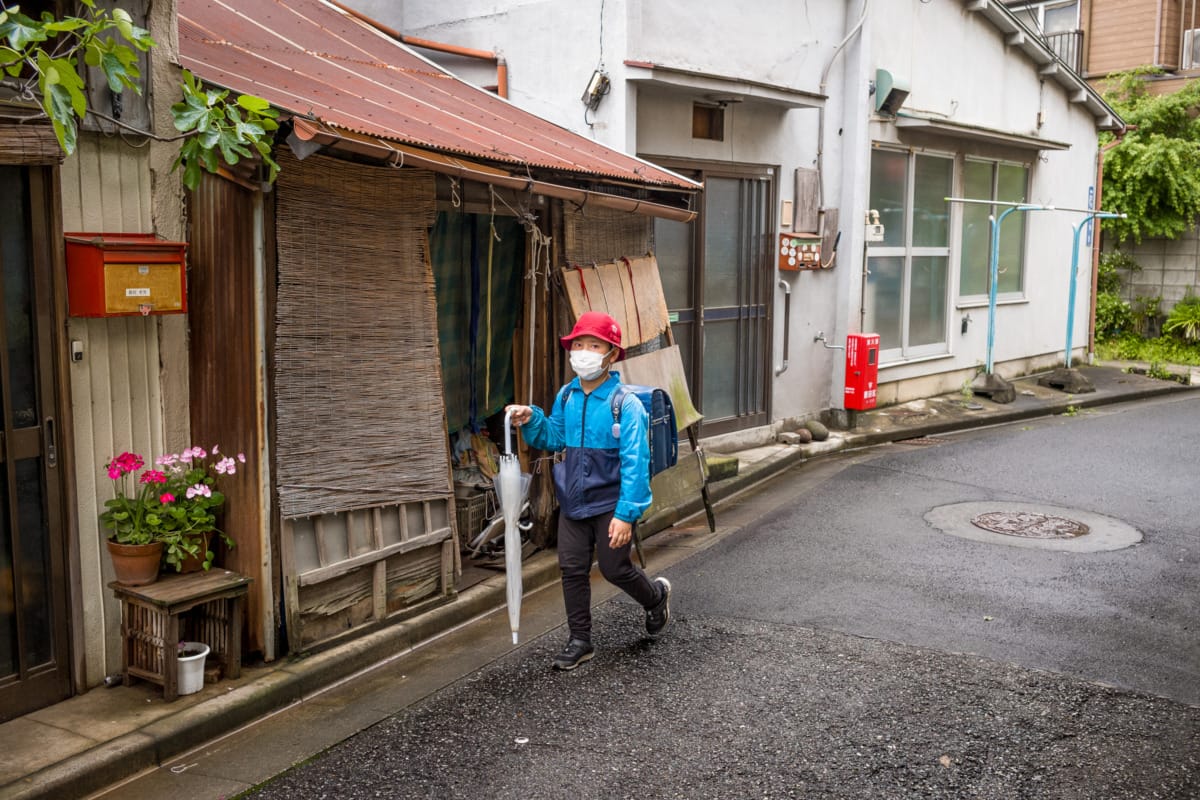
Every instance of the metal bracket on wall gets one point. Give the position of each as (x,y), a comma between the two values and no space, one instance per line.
(820,337)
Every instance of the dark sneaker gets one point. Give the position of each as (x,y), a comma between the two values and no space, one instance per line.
(659,616)
(575,653)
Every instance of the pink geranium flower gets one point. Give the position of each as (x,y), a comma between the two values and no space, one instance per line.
(226,466)
(199,489)
(153,476)
(166,497)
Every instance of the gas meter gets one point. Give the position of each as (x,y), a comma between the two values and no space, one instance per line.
(874,231)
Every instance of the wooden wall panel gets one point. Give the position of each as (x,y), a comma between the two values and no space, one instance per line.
(115,393)
(223,312)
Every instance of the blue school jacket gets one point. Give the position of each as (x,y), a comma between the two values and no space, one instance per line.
(602,471)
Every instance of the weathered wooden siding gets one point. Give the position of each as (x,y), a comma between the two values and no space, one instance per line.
(225,376)
(115,390)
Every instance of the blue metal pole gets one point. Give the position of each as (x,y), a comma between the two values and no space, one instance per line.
(994,271)
(1074,276)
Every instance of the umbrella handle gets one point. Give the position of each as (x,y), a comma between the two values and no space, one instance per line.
(508,432)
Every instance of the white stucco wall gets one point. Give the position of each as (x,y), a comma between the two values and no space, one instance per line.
(984,82)
(957,65)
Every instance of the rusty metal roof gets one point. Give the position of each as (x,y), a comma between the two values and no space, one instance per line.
(316,61)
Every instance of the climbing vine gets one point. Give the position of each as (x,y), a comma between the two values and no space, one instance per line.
(40,62)
(1153,174)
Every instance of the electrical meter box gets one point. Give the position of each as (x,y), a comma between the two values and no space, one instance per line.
(862,371)
(125,274)
(799,251)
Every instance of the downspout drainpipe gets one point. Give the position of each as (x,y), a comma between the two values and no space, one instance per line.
(440,47)
(1096,239)
(1158,14)
(862,17)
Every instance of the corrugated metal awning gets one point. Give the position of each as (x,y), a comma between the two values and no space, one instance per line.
(343,76)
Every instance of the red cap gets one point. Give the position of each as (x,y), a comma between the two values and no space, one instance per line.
(600,325)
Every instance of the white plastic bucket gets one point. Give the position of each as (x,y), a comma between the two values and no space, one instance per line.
(191,668)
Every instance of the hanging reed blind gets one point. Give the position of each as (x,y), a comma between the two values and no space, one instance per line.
(29,144)
(602,234)
(360,418)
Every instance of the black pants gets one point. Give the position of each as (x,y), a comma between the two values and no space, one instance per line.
(578,541)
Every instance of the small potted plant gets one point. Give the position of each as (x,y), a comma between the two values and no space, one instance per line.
(195,501)
(166,514)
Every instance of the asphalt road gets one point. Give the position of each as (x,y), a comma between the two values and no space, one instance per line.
(841,647)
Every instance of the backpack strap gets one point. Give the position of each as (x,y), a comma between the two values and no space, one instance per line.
(617,398)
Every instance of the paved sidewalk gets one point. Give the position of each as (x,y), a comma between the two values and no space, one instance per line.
(89,742)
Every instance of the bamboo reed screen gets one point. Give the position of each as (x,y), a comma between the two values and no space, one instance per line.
(602,234)
(360,418)
(31,144)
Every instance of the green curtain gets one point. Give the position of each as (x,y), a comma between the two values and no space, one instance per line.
(458,247)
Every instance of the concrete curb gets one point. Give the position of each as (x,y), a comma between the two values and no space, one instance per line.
(298,678)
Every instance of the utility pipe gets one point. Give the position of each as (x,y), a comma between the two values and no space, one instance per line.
(862,17)
(1158,14)
(1096,239)
(787,323)
(440,47)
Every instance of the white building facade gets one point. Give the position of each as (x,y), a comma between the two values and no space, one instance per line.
(803,118)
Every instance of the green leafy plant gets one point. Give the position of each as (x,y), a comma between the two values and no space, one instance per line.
(1156,370)
(1146,312)
(1164,349)
(1071,411)
(41,61)
(1113,263)
(1184,320)
(220,127)
(1114,316)
(1153,173)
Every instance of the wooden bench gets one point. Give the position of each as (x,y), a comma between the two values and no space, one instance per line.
(198,606)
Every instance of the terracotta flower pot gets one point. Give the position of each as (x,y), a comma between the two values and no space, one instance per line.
(195,563)
(135,564)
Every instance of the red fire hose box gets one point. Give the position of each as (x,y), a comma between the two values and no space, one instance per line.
(862,370)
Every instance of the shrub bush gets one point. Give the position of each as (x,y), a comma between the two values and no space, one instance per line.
(1114,316)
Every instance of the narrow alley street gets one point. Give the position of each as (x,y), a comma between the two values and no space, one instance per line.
(837,645)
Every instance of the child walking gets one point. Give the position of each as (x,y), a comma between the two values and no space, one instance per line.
(603,483)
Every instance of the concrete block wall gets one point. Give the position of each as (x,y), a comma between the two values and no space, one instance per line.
(1169,268)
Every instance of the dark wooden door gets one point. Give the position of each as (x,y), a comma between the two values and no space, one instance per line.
(34,634)
(717,275)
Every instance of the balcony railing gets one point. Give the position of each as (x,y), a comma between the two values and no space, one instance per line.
(1068,46)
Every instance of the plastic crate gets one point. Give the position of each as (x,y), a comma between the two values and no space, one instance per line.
(471,512)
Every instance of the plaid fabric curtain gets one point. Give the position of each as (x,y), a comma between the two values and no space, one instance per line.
(459,251)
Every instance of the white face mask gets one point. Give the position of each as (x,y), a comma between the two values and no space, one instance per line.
(587,364)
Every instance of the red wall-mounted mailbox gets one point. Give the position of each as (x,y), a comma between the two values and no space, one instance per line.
(125,274)
(862,370)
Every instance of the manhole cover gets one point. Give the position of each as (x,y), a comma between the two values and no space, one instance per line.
(1030,525)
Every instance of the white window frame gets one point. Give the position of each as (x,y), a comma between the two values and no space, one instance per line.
(904,353)
(1189,21)
(1185,54)
(1041,7)
(970,300)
